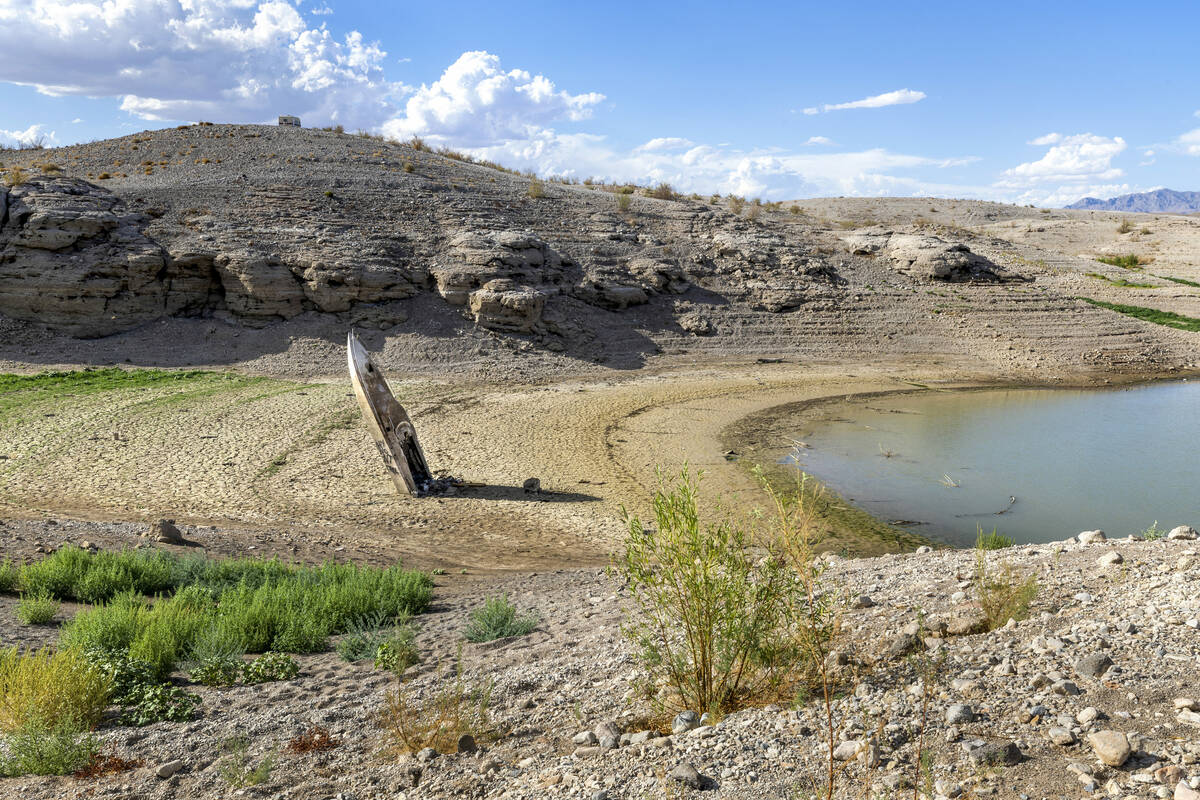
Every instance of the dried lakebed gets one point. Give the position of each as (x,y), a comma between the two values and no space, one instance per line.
(947,462)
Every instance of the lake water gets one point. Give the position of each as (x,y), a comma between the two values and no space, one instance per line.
(1075,460)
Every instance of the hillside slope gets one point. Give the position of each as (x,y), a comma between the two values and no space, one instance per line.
(257,245)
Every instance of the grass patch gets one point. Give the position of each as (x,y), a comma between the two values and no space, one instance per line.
(1003,595)
(1129,261)
(412,723)
(497,618)
(221,607)
(1119,282)
(40,750)
(1182,281)
(1167,318)
(993,540)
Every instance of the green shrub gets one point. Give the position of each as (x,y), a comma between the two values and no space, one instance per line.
(497,619)
(1153,532)
(216,658)
(51,689)
(536,188)
(993,540)
(57,574)
(1003,595)
(721,615)
(36,609)
(398,652)
(128,677)
(159,702)
(10,577)
(269,667)
(624,201)
(237,769)
(216,671)
(111,627)
(38,750)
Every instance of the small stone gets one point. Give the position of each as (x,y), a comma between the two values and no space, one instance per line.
(1093,666)
(845,751)
(1185,792)
(965,626)
(1110,558)
(958,713)
(1183,532)
(466,744)
(994,754)
(587,751)
(607,730)
(1061,737)
(1169,775)
(685,721)
(923,549)
(488,765)
(1112,747)
(641,737)
(584,737)
(862,601)
(600,794)
(703,732)
(1182,703)
(426,754)
(1089,537)
(168,768)
(1065,688)
(903,644)
(1088,715)
(1190,717)
(687,775)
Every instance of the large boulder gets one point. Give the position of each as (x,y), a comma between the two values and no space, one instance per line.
(924,257)
(504,305)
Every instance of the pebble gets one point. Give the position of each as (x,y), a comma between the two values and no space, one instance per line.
(686,774)
(169,768)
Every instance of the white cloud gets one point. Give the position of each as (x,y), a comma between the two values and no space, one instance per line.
(666,143)
(476,104)
(232,60)
(1048,139)
(34,134)
(819,140)
(322,11)
(77,120)
(1081,157)
(1190,142)
(1058,196)
(896,98)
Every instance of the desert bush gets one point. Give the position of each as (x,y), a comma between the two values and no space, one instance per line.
(736,204)
(10,577)
(392,648)
(993,540)
(37,749)
(75,574)
(36,609)
(1003,595)
(50,689)
(1125,227)
(663,191)
(237,769)
(536,188)
(1153,532)
(412,723)
(716,608)
(109,627)
(15,177)
(270,666)
(1128,261)
(418,144)
(397,653)
(497,618)
(624,201)
(215,658)
(159,702)
(754,210)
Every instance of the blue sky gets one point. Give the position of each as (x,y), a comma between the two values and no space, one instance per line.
(1022,102)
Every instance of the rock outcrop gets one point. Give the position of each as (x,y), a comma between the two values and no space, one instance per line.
(73,257)
(926,257)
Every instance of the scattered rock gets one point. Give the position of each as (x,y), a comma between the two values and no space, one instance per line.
(685,721)
(1091,537)
(687,775)
(466,744)
(1111,747)
(958,714)
(845,751)
(1183,532)
(165,531)
(993,753)
(1093,666)
(1110,558)
(169,768)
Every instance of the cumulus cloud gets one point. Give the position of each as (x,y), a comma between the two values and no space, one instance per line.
(235,60)
(34,134)
(1081,157)
(819,140)
(1048,139)
(475,103)
(896,98)
(666,143)
(1190,142)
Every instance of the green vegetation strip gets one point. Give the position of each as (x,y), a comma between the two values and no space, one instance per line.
(1168,318)
(1120,282)
(1183,281)
(1127,261)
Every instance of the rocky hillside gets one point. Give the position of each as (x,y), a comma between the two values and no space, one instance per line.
(175,243)
(1160,201)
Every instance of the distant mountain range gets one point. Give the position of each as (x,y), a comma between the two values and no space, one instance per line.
(1162,201)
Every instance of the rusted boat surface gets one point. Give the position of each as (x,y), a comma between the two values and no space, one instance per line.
(388,423)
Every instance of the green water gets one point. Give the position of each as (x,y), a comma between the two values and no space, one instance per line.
(943,463)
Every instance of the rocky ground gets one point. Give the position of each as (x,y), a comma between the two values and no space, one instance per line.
(1092,696)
